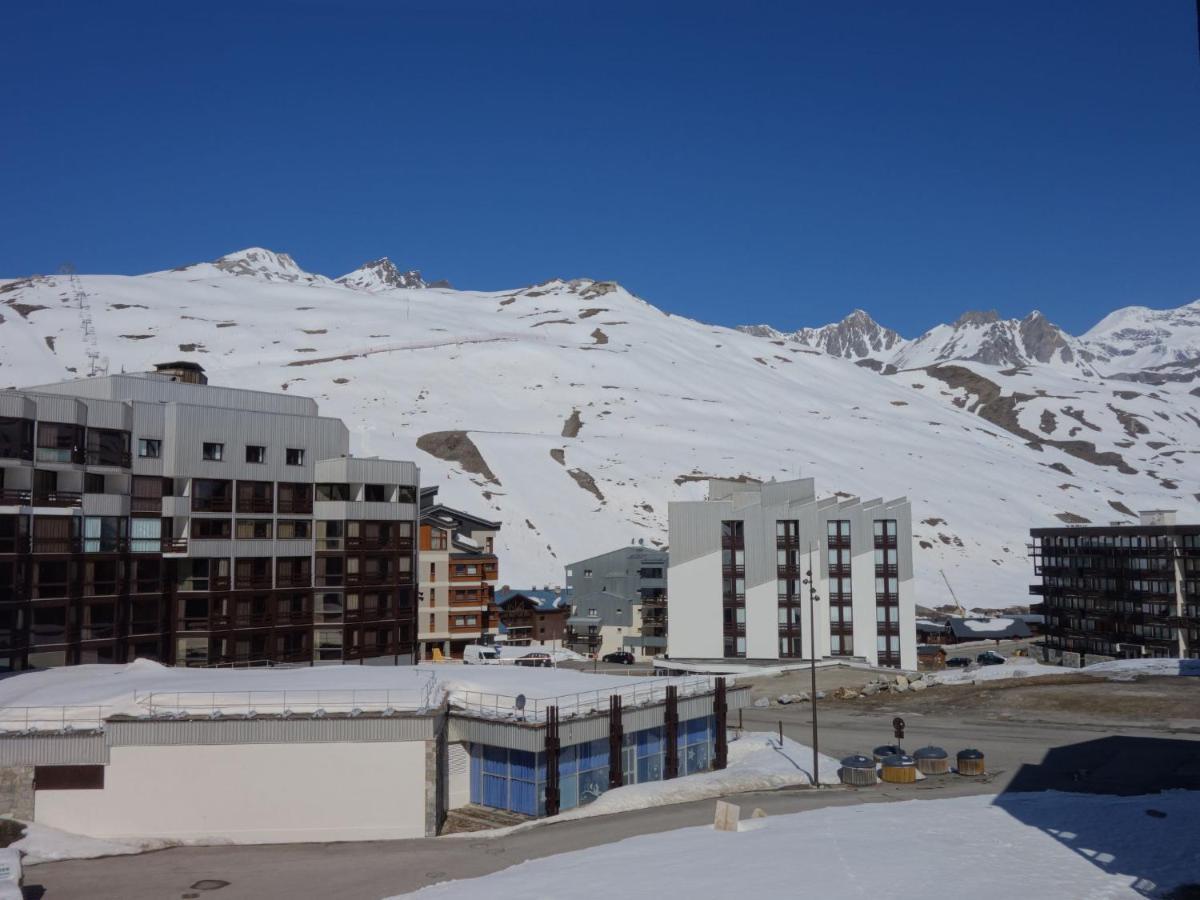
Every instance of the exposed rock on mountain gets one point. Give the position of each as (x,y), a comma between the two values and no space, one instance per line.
(381,275)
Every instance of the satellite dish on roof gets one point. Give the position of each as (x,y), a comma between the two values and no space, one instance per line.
(519,703)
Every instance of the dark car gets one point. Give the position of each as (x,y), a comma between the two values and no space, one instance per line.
(958,662)
(536,660)
(990,658)
(624,657)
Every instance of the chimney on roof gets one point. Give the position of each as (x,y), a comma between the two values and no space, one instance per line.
(1156,516)
(182,370)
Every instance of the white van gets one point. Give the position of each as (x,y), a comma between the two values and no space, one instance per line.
(481,655)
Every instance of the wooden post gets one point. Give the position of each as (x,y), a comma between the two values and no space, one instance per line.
(552,746)
(616,732)
(720,711)
(671,721)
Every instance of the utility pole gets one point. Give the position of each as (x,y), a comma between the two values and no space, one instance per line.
(812,638)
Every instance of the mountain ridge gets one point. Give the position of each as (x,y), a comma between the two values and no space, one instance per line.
(574,411)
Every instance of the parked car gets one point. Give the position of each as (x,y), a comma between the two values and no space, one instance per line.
(990,658)
(958,662)
(537,660)
(624,657)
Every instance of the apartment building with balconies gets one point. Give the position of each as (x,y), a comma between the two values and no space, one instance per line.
(739,561)
(1123,591)
(618,602)
(157,516)
(458,576)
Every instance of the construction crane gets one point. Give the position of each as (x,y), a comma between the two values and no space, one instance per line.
(958,607)
(80,298)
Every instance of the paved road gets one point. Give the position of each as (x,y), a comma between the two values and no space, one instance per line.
(373,870)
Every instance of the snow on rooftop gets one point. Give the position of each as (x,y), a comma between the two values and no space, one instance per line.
(83,696)
(996,624)
(460,538)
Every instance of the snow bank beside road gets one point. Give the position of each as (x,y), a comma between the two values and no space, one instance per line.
(1013,668)
(43,844)
(1046,844)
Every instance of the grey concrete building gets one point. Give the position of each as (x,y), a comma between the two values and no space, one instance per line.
(738,564)
(618,602)
(157,516)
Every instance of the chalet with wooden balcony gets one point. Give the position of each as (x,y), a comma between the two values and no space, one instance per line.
(533,616)
(458,575)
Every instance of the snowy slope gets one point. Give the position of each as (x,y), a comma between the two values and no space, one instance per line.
(591,409)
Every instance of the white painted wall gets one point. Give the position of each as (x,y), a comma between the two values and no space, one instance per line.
(908,628)
(694,608)
(458,780)
(762,620)
(251,793)
(862,571)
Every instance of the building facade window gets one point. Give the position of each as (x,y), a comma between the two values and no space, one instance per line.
(213,452)
(841,591)
(887,593)
(294,456)
(256,454)
(149,448)
(733,588)
(788,586)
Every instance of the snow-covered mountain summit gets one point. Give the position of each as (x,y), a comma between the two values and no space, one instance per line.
(381,275)
(573,411)
(1125,343)
(1138,339)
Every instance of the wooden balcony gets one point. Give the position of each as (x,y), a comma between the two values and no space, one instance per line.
(13,497)
(146,505)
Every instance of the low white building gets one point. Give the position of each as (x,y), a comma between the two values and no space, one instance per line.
(740,558)
(335,753)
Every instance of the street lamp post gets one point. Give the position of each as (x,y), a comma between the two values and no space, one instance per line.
(812,638)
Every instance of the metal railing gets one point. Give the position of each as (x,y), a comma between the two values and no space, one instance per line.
(420,698)
(52,718)
(577,704)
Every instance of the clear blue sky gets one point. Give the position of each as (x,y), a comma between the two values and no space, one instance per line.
(736,162)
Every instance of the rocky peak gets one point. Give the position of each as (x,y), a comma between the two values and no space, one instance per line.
(1043,340)
(257,262)
(977,318)
(381,275)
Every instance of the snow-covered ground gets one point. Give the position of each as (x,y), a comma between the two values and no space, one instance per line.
(1131,668)
(43,844)
(1018,667)
(1015,667)
(661,402)
(1050,844)
(90,693)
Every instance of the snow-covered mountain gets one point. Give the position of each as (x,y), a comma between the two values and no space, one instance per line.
(857,336)
(1141,340)
(573,411)
(1134,343)
(381,275)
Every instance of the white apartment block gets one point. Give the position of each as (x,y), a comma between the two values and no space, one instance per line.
(738,563)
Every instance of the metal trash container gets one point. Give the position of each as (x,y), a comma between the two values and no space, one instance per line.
(899,769)
(971,762)
(858,770)
(882,753)
(932,761)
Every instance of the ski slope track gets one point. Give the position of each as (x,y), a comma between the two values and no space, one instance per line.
(573,411)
